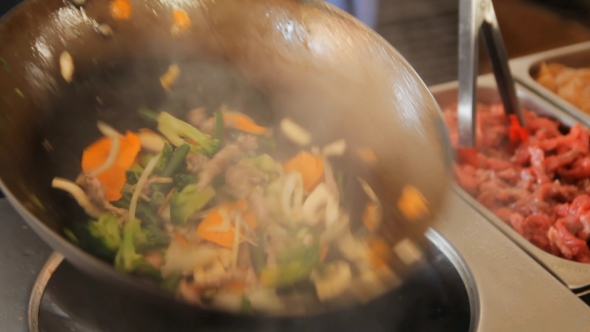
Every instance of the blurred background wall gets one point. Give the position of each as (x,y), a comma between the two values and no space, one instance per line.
(425,31)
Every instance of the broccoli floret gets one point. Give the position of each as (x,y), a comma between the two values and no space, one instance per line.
(151,237)
(188,201)
(176,131)
(101,237)
(127,259)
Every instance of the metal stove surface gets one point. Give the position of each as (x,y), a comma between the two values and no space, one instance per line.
(22,255)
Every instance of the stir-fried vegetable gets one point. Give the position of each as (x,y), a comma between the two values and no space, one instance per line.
(179,132)
(127,259)
(217,226)
(101,237)
(187,202)
(120,9)
(114,177)
(311,168)
(219,221)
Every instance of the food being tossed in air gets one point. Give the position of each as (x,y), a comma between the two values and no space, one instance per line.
(204,210)
(536,179)
(571,84)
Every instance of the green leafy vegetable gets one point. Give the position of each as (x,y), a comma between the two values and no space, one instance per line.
(190,200)
(167,153)
(218,127)
(286,274)
(127,259)
(178,132)
(170,283)
(182,180)
(134,173)
(294,262)
(305,246)
(176,160)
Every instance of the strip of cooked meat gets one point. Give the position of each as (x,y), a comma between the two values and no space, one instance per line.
(242,178)
(218,164)
(96,193)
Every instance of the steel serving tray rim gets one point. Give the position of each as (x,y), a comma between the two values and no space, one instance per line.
(523,67)
(576,276)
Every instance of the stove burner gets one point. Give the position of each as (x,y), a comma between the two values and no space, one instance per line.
(65,299)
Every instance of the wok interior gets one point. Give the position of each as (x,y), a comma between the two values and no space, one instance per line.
(269,58)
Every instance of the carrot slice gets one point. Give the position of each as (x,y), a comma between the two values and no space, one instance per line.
(236,287)
(412,203)
(380,252)
(371,216)
(309,165)
(214,218)
(114,178)
(244,124)
(120,9)
(181,19)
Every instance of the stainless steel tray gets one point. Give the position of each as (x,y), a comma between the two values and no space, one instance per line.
(576,276)
(526,68)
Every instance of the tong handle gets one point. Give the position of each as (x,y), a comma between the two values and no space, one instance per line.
(499,59)
(477,18)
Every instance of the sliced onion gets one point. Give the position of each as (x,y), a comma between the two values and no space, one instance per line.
(66,66)
(314,203)
(149,168)
(369,191)
(184,258)
(332,211)
(111,133)
(79,195)
(151,141)
(236,245)
(292,195)
(295,133)
(335,149)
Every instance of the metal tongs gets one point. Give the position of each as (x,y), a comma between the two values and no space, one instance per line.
(478,18)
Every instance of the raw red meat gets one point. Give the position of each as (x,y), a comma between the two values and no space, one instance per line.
(536,179)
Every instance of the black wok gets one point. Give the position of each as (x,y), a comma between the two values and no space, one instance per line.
(270,58)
